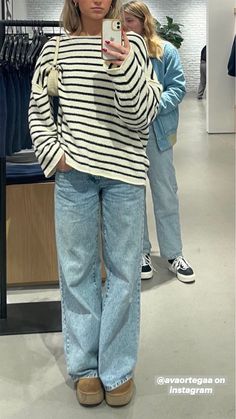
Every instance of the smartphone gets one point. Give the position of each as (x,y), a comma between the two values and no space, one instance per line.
(111,31)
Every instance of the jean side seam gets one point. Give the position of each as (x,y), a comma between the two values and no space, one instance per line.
(105,259)
(95,259)
(138,301)
(67,340)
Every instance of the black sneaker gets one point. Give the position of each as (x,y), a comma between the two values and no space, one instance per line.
(147,268)
(182,269)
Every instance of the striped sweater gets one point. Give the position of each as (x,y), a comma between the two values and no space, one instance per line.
(104,111)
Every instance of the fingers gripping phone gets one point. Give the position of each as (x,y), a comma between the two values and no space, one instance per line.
(111,31)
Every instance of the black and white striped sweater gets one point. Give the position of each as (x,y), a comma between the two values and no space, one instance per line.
(104,111)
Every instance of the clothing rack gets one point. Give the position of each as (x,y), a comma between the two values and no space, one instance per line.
(20,318)
(3,7)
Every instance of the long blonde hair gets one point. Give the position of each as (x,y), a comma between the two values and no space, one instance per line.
(142,12)
(71,20)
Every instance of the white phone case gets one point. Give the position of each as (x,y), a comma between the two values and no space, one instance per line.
(111,31)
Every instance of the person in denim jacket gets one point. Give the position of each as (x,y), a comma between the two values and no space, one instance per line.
(162,137)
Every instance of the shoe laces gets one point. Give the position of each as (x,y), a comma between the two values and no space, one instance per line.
(146,260)
(180,263)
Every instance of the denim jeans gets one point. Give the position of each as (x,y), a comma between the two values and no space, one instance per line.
(163,185)
(100,327)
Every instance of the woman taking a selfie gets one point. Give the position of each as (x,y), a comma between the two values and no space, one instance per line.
(97,152)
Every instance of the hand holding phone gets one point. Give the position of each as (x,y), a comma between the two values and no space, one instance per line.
(115,52)
(111,32)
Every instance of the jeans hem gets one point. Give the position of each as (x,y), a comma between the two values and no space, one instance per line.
(172,257)
(76,378)
(146,252)
(118,383)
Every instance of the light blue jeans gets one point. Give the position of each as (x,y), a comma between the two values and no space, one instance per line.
(101,329)
(164,188)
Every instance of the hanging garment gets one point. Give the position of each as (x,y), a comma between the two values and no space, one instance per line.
(3,114)
(231,63)
(18,57)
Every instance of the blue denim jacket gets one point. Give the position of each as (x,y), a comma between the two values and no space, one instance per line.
(170,74)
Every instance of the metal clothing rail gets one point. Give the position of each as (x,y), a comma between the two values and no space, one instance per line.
(37,317)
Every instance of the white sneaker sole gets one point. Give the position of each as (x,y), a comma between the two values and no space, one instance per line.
(183,278)
(147,275)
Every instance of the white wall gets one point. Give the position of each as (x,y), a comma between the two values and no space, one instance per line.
(37,9)
(192,14)
(221,87)
(19,9)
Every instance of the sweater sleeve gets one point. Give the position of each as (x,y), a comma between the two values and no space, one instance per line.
(43,129)
(137,90)
(174,81)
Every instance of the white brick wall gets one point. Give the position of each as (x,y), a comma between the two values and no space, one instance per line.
(191,13)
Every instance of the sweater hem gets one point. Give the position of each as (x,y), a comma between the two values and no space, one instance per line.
(107,174)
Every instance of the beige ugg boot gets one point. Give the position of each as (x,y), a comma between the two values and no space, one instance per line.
(89,391)
(121,395)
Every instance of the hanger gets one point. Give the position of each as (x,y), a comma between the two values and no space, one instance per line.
(24,50)
(4,48)
(31,47)
(14,49)
(19,49)
(9,48)
(42,39)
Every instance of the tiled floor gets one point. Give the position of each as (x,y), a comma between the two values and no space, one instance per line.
(186,330)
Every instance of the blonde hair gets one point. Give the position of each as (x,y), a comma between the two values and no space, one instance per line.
(71,20)
(142,12)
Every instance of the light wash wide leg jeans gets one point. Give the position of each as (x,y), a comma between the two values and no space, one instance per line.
(164,189)
(101,329)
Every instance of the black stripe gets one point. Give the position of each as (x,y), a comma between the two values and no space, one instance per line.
(36,119)
(77,70)
(51,125)
(137,58)
(86,94)
(97,64)
(49,162)
(154,93)
(47,153)
(64,50)
(37,112)
(133,41)
(105,80)
(78,84)
(105,105)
